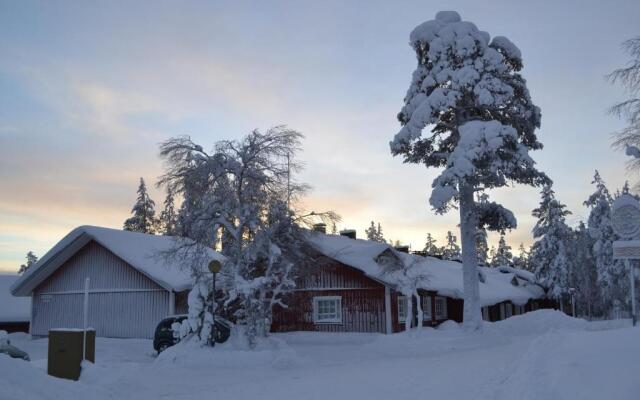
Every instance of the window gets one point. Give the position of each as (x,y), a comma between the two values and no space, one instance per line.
(441,308)
(508,310)
(425,303)
(402,308)
(327,309)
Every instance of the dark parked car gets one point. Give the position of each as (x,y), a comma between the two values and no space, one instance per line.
(164,338)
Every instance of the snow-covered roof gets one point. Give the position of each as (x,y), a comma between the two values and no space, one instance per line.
(142,251)
(444,277)
(12,309)
(357,253)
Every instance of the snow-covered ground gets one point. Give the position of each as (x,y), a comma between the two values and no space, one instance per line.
(540,355)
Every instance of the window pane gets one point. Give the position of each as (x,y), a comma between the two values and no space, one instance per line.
(327,310)
(402,308)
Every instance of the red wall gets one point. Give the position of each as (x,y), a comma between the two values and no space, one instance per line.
(362,301)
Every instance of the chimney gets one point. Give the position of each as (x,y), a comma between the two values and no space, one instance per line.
(321,227)
(350,233)
(402,249)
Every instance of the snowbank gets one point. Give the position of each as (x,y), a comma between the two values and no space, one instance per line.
(539,355)
(536,323)
(234,354)
(20,380)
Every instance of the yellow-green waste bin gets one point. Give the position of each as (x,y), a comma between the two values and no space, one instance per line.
(65,352)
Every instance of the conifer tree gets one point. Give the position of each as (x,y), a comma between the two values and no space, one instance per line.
(380,234)
(521,261)
(374,233)
(168,217)
(549,253)
(31,259)
(583,274)
(611,274)
(468,90)
(144,214)
(503,255)
(482,247)
(430,247)
(451,250)
(492,253)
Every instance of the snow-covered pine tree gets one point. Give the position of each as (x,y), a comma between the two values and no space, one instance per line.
(521,261)
(430,247)
(31,259)
(503,255)
(583,274)
(451,250)
(468,89)
(492,253)
(482,246)
(549,252)
(611,274)
(144,214)
(168,217)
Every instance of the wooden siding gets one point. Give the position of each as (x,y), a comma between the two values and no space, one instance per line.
(122,303)
(105,269)
(362,311)
(330,274)
(362,301)
(118,315)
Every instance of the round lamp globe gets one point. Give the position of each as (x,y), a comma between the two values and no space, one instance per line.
(214,266)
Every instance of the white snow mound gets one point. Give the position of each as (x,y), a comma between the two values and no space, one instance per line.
(536,323)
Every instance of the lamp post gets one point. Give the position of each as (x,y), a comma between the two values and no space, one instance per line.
(214,268)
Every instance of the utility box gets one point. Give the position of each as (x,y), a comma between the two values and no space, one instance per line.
(65,352)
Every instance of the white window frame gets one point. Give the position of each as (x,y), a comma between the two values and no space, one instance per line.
(426,307)
(336,318)
(485,313)
(443,308)
(402,300)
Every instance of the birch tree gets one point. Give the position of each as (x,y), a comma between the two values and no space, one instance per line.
(241,198)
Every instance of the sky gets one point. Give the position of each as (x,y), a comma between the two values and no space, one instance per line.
(89,89)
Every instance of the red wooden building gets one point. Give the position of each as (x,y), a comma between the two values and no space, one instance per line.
(349,290)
